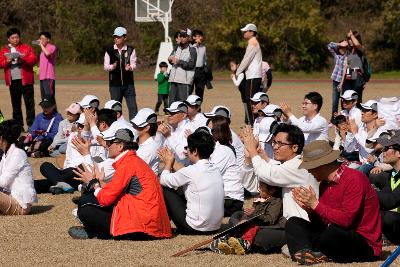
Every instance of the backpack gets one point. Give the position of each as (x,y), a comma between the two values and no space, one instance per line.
(366,68)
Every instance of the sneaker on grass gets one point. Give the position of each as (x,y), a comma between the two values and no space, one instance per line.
(214,245)
(239,245)
(309,257)
(79,232)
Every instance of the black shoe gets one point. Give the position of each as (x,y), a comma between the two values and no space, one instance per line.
(78,232)
(56,190)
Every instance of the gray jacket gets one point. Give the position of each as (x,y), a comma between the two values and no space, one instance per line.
(183,71)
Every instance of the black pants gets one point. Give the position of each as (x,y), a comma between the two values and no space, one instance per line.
(199,82)
(338,244)
(231,206)
(391,226)
(380,179)
(96,219)
(54,175)
(176,208)
(252,86)
(48,89)
(17,91)
(178,92)
(269,240)
(128,91)
(161,99)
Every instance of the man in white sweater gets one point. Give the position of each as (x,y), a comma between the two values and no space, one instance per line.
(251,64)
(287,146)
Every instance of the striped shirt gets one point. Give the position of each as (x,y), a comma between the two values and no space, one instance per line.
(339,59)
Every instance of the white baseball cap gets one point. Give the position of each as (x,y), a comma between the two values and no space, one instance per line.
(219,111)
(249,27)
(349,95)
(89,101)
(113,105)
(110,133)
(267,125)
(260,96)
(193,100)
(144,117)
(272,110)
(81,119)
(370,105)
(120,31)
(177,106)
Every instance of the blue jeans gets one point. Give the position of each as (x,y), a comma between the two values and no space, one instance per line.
(335,97)
(366,168)
(62,149)
(118,92)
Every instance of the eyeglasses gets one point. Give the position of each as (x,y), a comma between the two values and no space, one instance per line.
(280,144)
(110,142)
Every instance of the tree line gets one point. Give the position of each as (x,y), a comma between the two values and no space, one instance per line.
(293,34)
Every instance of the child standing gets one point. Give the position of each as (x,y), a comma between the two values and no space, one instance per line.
(163,86)
(267,208)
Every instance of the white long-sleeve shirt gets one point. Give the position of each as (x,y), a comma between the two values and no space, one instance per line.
(288,176)
(354,113)
(198,121)
(314,129)
(252,61)
(224,159)
(132,59)
(16,176)
(237,81)
(239,148)
(148,152)
(204,192)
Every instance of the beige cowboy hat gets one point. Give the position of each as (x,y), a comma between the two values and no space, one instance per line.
(318,153)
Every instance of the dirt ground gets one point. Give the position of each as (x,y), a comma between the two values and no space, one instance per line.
(42,238)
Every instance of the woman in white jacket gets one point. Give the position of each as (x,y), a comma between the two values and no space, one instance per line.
(17,192)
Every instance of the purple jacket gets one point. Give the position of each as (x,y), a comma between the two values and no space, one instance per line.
(41,123)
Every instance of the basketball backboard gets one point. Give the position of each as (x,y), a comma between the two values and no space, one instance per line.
(153,10)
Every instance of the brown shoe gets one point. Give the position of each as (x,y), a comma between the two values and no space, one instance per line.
(309,257)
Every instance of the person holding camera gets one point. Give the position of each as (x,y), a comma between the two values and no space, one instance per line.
(120,62)
(355,76)
(17,60)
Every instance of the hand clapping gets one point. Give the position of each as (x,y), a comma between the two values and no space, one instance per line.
(305,197)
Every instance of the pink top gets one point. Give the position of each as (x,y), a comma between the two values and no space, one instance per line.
(47,63)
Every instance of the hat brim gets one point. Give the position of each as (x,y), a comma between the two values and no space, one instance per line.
(385,141)
(331,157)
(209,115)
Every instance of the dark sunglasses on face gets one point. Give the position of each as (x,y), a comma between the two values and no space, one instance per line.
(110,142)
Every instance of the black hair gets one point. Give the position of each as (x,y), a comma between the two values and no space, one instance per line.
(254,33)
(45,34)
(108,116)
(295,135)
(197,32)
(13,31)
(129,145)
(10,131)
(315,98)
(177,34)
(153,129)
(202,142)
(221,131)
(163,64)
(339,119)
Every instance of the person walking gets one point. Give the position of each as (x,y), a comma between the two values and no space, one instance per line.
(47,61)
(251,65)
(120,62)
(17,60)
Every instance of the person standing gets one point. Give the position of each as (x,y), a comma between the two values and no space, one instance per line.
(200,74)
(120,62)
(163,86)
(47,61)
(17,60)
(183,61)
(251,65)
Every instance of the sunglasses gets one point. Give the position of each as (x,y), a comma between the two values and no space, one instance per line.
(110,142)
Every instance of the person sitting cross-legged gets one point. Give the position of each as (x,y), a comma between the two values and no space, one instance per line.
(200,208)
(345,223)
(131,205)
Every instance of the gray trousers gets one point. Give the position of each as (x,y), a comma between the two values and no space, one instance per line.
(178,92)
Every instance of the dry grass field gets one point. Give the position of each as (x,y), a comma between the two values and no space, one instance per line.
(42,238)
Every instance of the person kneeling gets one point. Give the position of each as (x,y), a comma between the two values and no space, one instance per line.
(200,209)
(131,205)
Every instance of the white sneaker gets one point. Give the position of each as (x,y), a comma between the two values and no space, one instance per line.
(285,251)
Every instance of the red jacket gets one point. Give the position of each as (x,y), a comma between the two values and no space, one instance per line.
(27,63)
(145,210)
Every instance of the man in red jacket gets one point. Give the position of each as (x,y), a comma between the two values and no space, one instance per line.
(345,223)
(131,205)
(17,60)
